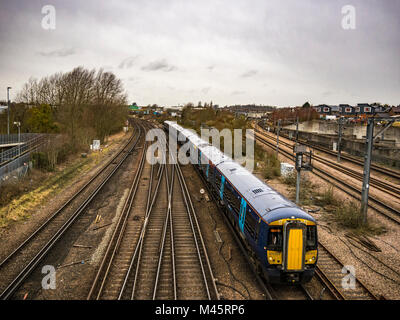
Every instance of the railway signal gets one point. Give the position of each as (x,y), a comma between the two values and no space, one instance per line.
(302,162)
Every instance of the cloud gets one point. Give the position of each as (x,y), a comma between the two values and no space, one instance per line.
(205,90)
(159,65)
(128,62)
(58,53)
(249,73)
(237,92)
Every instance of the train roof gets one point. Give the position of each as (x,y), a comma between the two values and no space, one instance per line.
(260,196)
(197,141)
(269,204)
(213,154)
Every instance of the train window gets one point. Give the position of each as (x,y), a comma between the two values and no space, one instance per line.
(275,238)
(232,199)
(251,225)
(217,179)
(311,242)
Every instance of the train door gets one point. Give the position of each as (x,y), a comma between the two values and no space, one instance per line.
(242,214)
(294,246)
(221,190)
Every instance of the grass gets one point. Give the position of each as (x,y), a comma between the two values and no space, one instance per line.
(326,198)
(268,162)
(348,215)
(306,195)
(21,207)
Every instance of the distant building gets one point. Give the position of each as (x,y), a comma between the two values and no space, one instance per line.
(250,110)
(324,109)
(395,111)
(346,110)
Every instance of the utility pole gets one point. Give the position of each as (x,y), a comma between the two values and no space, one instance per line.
(367,167)
(369,141)
(340,132)
(18,124)
(297,129)
(277,138)
(8,110)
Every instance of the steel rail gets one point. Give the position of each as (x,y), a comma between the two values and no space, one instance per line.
(164,233)
(28,269)
(321,173)
(339,292)
(375,182)
(387,171)
(118,231)
(192,212)
(325,279)
(148,213)
(139,244)
(265,287)
(43,225)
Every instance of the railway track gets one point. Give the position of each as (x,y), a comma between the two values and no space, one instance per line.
(16,267)
(383,208)
(380,184)
(383,170)
(267,290)
(331,272)
(115,261)
(329,268)
(165,258)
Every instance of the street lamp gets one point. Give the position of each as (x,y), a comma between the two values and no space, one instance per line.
(8,110)
(18,124)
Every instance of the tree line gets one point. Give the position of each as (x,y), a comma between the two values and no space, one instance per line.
(81,104)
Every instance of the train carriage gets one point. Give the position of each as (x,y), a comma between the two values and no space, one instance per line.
(280,237)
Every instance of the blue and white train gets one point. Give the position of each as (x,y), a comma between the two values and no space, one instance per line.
(281,238)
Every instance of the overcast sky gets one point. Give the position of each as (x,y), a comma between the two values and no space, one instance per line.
(273,52)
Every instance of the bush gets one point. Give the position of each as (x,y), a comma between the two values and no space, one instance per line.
(348,214)
(290,179)
(326,198)
(41,161)
(272,166)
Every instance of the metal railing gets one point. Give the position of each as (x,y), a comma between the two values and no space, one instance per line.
(14,162)
(19,150)
(13,138)
(11,169)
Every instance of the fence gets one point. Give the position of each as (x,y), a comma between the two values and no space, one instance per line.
(13,138)
(14,162)
(15,168)
(27,146)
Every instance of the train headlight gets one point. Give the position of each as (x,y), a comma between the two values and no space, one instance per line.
(311,257)
(274,257)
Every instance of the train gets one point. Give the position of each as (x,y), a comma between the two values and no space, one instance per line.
(281,238)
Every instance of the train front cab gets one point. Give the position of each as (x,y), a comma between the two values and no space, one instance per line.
(290,251)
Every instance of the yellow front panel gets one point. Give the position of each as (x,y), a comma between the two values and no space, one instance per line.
(295,249)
